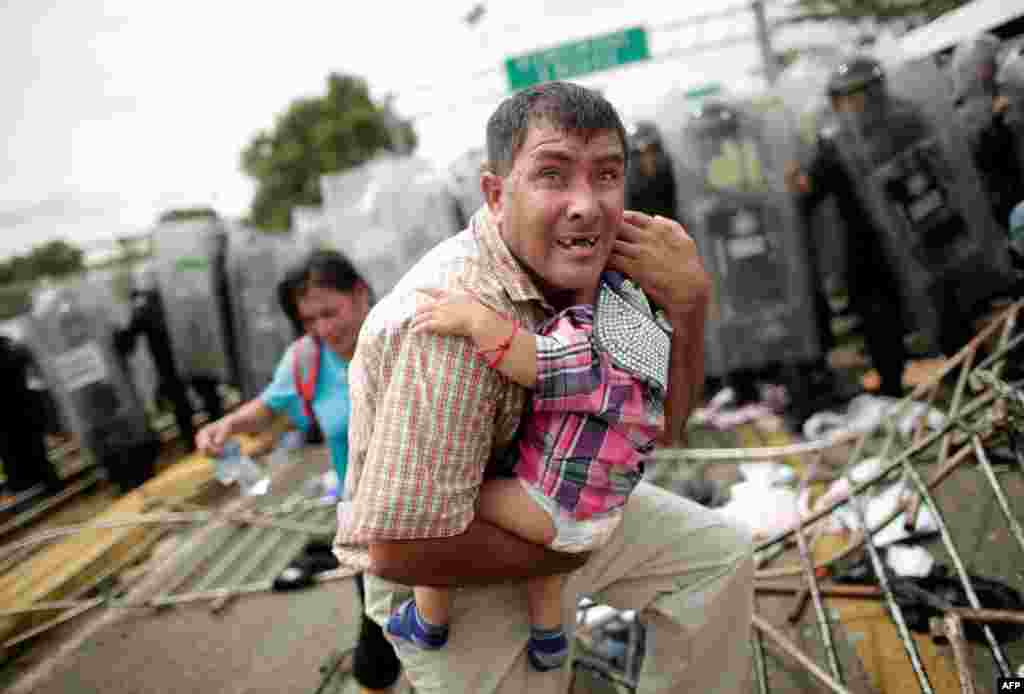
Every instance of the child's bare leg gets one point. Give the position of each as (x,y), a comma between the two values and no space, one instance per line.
(433,603)
(544,595)
(506,504)
(548,646)
(423,620)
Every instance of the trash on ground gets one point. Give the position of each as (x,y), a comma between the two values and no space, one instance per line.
(865,413)
(906,560)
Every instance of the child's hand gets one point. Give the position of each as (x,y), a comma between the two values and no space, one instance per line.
(447,313)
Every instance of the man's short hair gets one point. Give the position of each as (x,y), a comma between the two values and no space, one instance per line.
(565,106)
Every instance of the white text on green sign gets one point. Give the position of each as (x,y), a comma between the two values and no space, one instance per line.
(578,58)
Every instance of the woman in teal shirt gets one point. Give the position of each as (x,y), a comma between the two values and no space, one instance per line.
(330,401)
(326,301)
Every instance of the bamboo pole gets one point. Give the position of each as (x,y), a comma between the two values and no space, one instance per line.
(954,631)
(965,580)
(790,649)
(812,582)
(883,581)
(190,518)
(997,489)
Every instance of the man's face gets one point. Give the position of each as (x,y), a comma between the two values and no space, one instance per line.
(560,208)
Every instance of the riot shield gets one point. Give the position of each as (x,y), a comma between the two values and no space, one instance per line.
(1010,82)
(729,163)
(917,179)
(112,288)
(972,70)
(191,283)
(256,262)
(464,183)
(70,332)
(385,215)
(801,87)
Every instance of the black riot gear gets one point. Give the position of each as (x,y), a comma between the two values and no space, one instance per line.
(858,73)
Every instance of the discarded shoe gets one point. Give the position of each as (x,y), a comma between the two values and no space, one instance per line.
(316,557)
(921,598)
(294,576)
(318,545)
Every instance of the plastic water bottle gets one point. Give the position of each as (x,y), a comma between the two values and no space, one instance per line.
(287,449)
(232,466)
(292,440)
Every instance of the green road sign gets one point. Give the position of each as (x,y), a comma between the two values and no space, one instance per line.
(704,91)
(695,97)
(577,58)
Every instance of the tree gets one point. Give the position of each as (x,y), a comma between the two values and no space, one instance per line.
(878,10)
(56,259)
(52,259)
(316,136)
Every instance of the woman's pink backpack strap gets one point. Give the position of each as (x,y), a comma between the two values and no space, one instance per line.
(305,370)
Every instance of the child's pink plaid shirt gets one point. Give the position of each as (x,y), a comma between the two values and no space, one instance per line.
(591,425)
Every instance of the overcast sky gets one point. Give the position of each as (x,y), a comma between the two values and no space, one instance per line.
(115,110)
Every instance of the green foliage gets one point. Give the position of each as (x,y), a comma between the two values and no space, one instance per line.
(15,299)
(880,10)
(53,259)
(20,274)
(316,136)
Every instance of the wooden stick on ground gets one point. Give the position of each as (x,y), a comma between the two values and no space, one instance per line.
(790,649)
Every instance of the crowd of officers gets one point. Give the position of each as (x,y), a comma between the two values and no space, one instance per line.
(920,168)
(920,165)
(74,343)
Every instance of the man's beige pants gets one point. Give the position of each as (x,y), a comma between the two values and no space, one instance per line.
(686,569)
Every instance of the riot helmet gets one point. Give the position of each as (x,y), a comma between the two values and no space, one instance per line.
(716,119)
(974,66)
(856,89)
(858,73)
(727,145)
(644,134)
(646,153)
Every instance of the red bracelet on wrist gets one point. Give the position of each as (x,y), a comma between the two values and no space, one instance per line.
(499,351)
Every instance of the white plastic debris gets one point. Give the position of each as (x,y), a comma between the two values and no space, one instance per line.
(765,510)
(879,508)
(866,412)
(839,490)
(767,473)
(915,561)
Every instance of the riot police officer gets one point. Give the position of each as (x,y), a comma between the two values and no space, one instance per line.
(981,115)
(729,158)
(857,87)
(650,183)
(148,320)
(69,332)
(920,231)
(22,436)
(1010,102)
